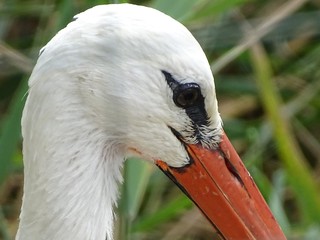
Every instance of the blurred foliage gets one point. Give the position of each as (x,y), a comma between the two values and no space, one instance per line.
(265,56)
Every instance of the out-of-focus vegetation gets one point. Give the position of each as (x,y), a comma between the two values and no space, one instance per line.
(265,56)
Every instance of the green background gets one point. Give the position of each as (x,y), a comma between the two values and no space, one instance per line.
(265,56)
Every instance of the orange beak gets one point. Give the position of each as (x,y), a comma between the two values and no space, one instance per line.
(220,185)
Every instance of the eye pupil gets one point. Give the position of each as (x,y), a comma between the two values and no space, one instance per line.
(188,97)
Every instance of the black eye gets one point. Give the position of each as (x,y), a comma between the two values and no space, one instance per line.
(187,95)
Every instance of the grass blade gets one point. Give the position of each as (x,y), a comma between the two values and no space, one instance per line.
(10,134)
(299,175)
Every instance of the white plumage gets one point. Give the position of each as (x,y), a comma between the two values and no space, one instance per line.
(97,95)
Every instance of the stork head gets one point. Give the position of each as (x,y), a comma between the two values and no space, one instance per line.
(146,82)
(145,79)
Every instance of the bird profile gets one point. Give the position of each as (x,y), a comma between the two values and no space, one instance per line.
(119,81)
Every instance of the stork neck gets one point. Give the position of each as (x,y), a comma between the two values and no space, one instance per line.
(71,174)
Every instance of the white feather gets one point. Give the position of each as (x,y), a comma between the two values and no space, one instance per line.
(97,95)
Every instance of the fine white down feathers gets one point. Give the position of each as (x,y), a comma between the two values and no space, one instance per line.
(100,93)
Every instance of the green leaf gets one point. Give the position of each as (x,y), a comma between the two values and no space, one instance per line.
(178,9)
(137,174)
(275,200)
(10,131)
(166,213)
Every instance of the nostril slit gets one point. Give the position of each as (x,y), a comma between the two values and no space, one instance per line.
(232,169)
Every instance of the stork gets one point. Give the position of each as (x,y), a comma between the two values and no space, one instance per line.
(123,80)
